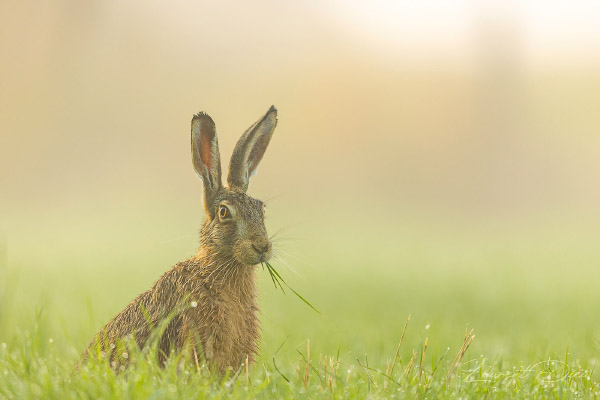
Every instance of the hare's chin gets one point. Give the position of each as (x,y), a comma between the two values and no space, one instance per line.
(250,260)
(253,259)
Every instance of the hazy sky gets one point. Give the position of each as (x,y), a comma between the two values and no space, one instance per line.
(461,101)
(550,30)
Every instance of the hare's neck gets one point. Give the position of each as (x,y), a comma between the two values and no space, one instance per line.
(223,272)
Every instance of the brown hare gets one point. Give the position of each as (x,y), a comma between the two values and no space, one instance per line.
(208,303)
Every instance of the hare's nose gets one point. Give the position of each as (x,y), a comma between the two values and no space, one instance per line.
(261,244)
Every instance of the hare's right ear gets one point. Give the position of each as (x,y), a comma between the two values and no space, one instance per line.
(206,159)
(250,149)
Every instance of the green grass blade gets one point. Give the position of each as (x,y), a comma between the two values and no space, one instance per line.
(303,299)
(273,277)
(280,279)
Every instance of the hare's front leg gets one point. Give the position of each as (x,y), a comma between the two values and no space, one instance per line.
(194,343)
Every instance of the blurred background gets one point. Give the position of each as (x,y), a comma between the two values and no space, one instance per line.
(433,158)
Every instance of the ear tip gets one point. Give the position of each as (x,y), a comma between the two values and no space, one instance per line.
(272,110)
(202,116)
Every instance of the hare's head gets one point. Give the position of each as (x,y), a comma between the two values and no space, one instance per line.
(234,225)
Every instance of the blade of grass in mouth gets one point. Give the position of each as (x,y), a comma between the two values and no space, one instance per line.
(273,277)
(277,280)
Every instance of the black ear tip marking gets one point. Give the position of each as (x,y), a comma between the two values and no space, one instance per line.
(202,116)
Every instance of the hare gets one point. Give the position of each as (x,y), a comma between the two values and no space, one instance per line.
(209,300)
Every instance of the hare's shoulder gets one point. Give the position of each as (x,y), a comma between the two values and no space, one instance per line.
(178,281)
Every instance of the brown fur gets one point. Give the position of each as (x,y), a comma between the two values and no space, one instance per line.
(209,300)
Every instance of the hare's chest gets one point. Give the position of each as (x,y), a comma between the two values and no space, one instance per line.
(228,327)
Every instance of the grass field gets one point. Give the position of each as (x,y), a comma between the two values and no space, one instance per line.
(435,167)
(529,296)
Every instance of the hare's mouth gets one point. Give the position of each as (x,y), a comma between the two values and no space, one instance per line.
(264,257)
(250,254)
(254,258)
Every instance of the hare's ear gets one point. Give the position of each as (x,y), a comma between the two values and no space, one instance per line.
(205,156)
(250,149)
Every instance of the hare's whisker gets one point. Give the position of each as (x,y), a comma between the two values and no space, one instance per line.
(287,265)
(217,270)
(286,227)
(297,258)
(269,199)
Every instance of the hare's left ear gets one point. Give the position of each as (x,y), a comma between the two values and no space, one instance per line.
(250,149)
(206,159)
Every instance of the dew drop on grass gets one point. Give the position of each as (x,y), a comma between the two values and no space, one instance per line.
(427,326)
(194,304)
(50,340)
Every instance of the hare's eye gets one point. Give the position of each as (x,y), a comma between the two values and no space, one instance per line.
(224,212)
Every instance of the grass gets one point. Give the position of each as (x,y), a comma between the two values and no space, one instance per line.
(33,367)
(489,318)
(278,280)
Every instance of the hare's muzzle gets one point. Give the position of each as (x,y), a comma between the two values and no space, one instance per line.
(263,247)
